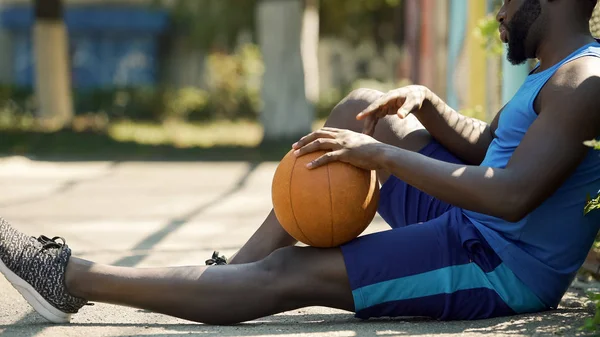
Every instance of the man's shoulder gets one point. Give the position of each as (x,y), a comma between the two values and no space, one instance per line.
(573,74)
(575,80)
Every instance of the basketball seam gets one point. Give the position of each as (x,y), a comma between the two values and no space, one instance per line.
(292,205)
(330,203)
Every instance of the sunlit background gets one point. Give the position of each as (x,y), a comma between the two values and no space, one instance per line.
(177,78)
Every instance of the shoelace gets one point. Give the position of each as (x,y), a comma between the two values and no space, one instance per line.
(216,260)
(48,243)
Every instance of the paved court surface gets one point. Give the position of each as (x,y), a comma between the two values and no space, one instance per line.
(169,214)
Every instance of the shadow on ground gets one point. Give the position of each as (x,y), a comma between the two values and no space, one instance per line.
(63,188)
(564,322)
(144,247)
(150,241)
(68,145)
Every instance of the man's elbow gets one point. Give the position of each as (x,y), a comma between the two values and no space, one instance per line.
(514,216)
(515,207)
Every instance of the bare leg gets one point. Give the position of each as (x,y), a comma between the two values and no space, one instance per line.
(269,237)
(290,278)
(408,134)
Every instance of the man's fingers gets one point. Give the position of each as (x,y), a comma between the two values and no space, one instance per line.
(311,137)
(374,107)
(331,130)
(369,126)
(324,159)
(317,145)
(390,101)
(407,108)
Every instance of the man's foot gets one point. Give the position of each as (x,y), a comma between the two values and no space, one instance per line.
(216,260)
(36,268)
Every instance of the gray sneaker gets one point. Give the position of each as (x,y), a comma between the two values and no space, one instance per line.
(36,268)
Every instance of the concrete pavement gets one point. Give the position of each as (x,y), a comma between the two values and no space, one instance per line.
(170,214)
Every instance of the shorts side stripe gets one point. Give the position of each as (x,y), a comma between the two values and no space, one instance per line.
(449,280)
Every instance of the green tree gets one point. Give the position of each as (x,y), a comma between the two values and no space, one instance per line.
(360,20)
(211,24)
(277,26)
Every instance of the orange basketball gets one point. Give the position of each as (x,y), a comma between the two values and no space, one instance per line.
(326,206)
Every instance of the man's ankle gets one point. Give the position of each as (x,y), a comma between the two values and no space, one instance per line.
(75,269)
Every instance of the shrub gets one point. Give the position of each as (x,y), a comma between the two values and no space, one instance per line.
(591,324)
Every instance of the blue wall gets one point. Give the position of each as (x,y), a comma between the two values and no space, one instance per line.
(108,47)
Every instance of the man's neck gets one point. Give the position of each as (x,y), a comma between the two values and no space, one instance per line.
(561,44)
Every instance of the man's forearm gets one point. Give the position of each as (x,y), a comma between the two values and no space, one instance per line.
(476,188)
(466,137)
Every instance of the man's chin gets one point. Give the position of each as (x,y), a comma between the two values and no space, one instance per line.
(515,54)
(516,62)
(515,59)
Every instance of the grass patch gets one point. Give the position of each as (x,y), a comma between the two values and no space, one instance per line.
(188,135)
(128,140)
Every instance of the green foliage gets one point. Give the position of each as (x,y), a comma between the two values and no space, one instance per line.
(592,204)
(328,99)
(127,140)
(16,107)
(180,104)
(231,92)
(217,24)
(186,134)
(591,324)
(126,102)
(487,34)
(211,24)
(360,20)
(234,84)
(593,143)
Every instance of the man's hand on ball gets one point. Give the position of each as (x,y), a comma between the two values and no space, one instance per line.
(346,146)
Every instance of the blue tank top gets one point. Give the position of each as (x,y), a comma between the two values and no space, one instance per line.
(546,248)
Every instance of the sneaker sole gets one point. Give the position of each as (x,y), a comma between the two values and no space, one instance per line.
(43,307)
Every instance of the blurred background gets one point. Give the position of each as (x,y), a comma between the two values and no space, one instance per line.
(147,132)
(228,79)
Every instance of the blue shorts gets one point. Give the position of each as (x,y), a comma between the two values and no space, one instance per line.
(433,262)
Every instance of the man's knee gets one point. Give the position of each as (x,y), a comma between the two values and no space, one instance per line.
(287,265)
(302,276)
(279,263)
(364,95)
(344,113)
(282,270)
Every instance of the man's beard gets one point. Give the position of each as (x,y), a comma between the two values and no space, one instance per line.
(519,28)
